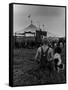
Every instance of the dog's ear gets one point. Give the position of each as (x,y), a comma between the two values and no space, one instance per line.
(56,61)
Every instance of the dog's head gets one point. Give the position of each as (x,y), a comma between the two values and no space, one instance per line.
(61,67)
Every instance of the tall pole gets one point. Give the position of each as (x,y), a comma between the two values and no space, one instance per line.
(29,17)
(43,26)
(39,26)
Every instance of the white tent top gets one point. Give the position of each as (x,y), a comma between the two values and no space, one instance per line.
(31,28)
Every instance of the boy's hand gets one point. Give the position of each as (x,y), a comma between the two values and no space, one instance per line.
(37,61)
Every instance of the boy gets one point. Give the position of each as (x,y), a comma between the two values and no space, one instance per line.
(44,55)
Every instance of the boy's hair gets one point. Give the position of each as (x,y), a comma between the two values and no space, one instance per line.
(44,41)
(57,50)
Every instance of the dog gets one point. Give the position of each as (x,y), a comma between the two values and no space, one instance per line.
(58,65)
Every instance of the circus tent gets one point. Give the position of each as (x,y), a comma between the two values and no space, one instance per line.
(30,30)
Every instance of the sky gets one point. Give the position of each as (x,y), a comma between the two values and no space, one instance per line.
(52,17)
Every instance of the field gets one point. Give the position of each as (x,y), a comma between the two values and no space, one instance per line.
(25,70)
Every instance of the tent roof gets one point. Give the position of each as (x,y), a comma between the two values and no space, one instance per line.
(31,27)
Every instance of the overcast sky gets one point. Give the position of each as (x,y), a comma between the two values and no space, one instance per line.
(52,17)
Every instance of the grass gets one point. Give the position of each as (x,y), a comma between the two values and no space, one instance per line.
(25,70)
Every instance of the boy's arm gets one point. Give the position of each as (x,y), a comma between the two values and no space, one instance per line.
(51,54)
(38,55)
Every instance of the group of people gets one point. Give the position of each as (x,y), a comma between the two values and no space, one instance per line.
(48,57)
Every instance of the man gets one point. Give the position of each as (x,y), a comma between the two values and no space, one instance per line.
(61,45)
(44,55)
